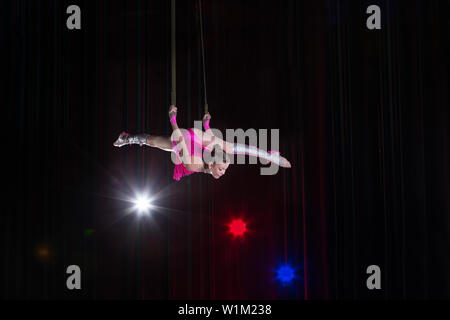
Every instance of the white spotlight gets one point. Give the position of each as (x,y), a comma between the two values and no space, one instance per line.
(142,204)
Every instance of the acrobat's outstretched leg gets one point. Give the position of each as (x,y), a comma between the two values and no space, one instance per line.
(272,156)
(237,148)
(160,142)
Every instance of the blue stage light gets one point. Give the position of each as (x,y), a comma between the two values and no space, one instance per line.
(285,274)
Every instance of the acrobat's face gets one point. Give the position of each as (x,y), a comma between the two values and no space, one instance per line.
(218,170)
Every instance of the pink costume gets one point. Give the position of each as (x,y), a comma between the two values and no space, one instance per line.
(195,148)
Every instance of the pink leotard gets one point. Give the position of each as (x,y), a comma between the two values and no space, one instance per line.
(195,148)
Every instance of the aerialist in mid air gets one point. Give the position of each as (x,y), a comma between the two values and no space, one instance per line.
(189,145)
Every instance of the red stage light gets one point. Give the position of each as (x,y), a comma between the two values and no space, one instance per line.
(237,227)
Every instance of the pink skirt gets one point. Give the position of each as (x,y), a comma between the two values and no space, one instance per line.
(180,171)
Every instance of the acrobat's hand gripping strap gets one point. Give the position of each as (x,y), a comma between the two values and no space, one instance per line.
(206,125)
(173,117)
(273,156)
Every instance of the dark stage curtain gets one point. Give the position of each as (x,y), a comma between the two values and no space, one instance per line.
(363,118)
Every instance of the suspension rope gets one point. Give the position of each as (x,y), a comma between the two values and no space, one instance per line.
(173,70)
(203,54)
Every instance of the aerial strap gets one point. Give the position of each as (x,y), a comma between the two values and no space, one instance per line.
(203,55)
(173,69)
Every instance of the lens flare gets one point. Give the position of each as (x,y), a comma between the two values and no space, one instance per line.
(142,204)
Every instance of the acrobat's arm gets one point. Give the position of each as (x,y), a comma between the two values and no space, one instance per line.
(173,117)
(206,119)
(209,139)
(178,135)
